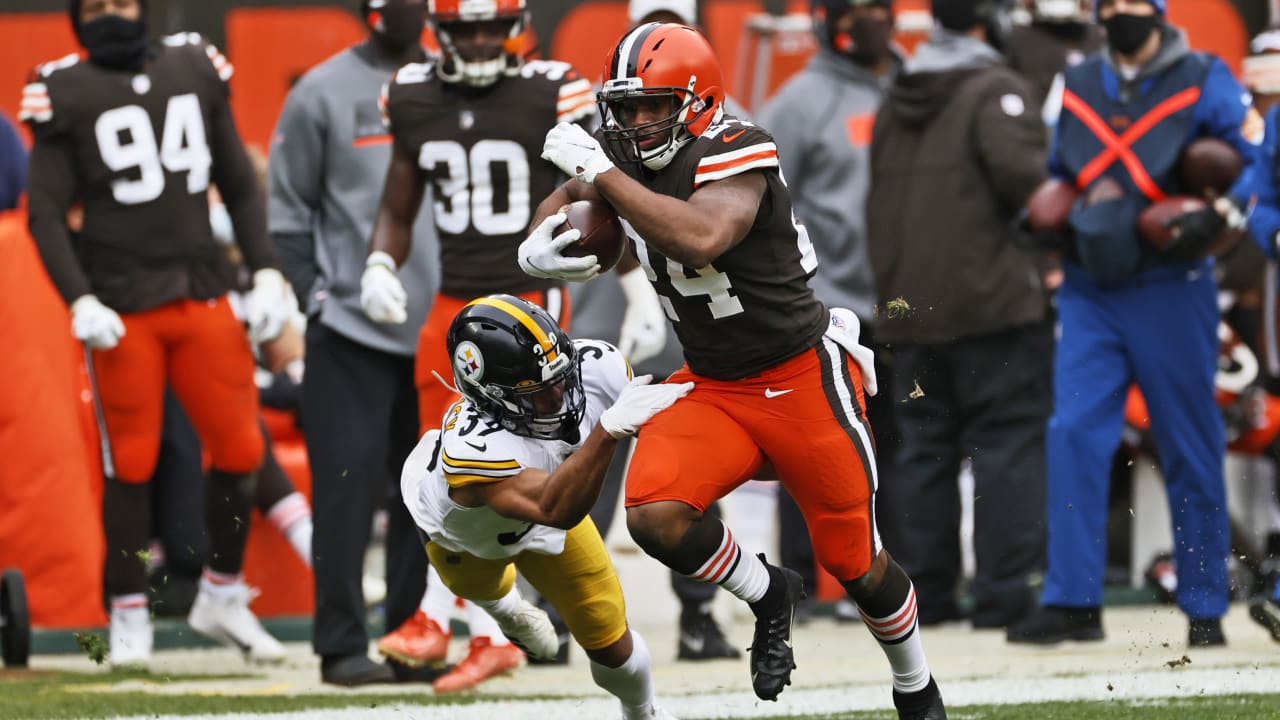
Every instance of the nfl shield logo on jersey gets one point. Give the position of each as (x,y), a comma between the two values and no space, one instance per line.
(141,84)
(468,362)
(466,119)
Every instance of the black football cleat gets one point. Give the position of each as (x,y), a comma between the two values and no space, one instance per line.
(702,639)
(1050,625)
(925,704)
(771,657)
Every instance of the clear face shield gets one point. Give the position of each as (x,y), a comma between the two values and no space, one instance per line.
(646,125)
(478,52)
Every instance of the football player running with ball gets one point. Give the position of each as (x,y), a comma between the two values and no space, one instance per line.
(779,378)
(508,480)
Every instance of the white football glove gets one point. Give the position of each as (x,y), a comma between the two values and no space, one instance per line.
(644,326)
(382,294)
(539,255)
(844,329)
(638,403)
(573,150)
(269,305)
(95,324)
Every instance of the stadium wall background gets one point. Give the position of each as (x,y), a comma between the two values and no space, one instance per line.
(272,42)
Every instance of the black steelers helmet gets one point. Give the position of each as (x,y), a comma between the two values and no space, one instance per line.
(516,364)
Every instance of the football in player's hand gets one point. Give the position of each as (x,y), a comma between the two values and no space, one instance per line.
(602,233)
(1209,167)
(1153,222)
(1050,204)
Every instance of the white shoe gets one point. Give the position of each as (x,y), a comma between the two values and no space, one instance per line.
(655,713)
(531,630)
(131,637)
(222,613)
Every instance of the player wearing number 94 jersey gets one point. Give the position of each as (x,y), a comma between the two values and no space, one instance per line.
(135,131)
(471,126)
(779,378)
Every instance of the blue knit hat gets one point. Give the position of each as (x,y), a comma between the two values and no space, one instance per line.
(1161,7)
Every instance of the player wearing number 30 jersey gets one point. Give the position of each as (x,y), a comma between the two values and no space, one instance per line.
(470,126)
(135,133)
(779,378)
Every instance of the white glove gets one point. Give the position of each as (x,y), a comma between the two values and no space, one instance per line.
(644,326)
(268,305)
(575,152)
(382,294)
(95,324)
(638,403)
(539,254)
(844,330)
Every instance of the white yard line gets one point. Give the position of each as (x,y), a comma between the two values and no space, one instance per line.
(1184,682)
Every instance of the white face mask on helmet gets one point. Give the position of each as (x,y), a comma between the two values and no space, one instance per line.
(478,66)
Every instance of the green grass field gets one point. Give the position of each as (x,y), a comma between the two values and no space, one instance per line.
(60,695)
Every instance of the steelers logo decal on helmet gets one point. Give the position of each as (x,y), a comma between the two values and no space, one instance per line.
(468,361)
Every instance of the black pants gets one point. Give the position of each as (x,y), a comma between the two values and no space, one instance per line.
(360,421)
(988,398)
(691,593)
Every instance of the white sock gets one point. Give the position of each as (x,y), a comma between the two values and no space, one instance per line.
(899,638)
(505,606)
(132,602)
(632,682)
(438,601)
(482,624)
(744,576)
(219,586)
(291,515)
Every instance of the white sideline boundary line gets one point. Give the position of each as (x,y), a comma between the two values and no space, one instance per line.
(1167,684)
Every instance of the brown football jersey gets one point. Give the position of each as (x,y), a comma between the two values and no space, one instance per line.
(140,150)
(752,308)
(480,150)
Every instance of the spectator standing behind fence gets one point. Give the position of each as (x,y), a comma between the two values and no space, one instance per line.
(360,409)
(821,121)
(1130,312)
(956,149)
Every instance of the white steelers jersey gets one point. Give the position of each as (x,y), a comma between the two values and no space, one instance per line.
(473,449)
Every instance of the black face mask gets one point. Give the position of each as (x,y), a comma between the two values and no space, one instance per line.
(870,40)
(1126,33)
(402,25)
(114,42)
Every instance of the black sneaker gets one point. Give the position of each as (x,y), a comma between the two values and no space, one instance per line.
(1206,632)
(1050,625)
(925,704)
(702,639)
(1266,612)
(354,670)
(771,658)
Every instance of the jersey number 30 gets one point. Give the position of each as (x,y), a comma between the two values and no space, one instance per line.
(467,185)
(126,141)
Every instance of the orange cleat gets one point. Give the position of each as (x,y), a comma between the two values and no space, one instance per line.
(416,643)
(482,662)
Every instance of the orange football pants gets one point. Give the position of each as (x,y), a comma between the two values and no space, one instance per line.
(434,399)
(807,416)
(200,349)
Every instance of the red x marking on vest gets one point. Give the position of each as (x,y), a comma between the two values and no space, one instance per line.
(1121,146)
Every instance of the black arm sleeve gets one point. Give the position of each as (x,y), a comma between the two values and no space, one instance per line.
(244,197)
(51,188)
(297,254)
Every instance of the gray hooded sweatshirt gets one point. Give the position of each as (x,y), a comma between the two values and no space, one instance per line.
(821,121)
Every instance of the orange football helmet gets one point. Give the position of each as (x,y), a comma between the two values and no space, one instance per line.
(480,40)
(656,61)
